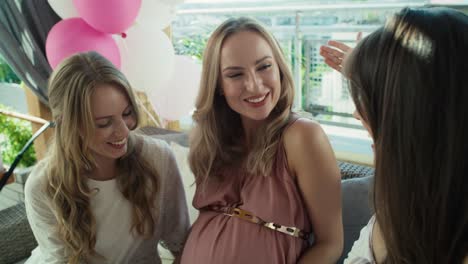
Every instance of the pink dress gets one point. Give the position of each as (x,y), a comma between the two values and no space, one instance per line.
(218,238)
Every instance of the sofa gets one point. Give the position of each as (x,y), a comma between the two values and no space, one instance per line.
(17,240)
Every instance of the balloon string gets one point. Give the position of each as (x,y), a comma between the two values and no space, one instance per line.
(155,120)
(124,45)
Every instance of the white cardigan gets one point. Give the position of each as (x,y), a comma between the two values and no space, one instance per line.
(112,212)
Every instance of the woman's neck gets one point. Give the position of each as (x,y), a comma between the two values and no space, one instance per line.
(250,129)
(105,170)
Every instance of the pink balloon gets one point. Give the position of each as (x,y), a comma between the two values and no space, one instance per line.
(110,16)
(71,36)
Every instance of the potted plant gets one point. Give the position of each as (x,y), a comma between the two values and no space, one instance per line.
(15,133)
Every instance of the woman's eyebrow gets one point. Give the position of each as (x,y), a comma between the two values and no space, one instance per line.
(262,59)
(109,116)
(240,68)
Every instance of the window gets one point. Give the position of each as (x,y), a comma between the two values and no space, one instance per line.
(300,27)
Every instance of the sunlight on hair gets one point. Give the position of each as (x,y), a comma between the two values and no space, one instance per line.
(410,37)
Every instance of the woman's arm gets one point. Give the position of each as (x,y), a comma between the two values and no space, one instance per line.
(42,220)
(175,221)
(312,160)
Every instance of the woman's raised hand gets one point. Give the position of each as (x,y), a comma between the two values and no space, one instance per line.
(335,53)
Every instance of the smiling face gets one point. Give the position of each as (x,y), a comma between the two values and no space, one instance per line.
(250,77)
(113,116)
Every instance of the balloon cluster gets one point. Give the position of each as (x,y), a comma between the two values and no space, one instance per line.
(129,34)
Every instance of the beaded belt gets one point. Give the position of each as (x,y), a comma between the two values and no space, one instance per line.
(248,216)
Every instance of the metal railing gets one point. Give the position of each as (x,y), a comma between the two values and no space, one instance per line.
(5,176)
(298,36)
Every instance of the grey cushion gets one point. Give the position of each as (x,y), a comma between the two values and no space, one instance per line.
(17,240)
(356,209)
(351,170)
(180,138)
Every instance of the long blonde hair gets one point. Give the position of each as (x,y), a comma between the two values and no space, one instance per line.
(216,138)
(70,89)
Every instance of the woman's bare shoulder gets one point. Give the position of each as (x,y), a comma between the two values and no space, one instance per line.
(305,137)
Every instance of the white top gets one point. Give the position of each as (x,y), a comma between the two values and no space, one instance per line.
(361,252)
(113,215)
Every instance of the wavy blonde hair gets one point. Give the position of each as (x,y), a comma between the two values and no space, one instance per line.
(71,87)
(216,139)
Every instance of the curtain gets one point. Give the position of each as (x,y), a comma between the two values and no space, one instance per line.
(24,25)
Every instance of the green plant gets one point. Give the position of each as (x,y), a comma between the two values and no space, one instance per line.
(6,73)
(14,135)
(191,46)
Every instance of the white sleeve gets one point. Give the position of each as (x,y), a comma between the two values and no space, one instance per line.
(42,221)
(360,252)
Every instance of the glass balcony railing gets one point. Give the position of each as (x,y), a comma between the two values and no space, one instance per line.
(301,28)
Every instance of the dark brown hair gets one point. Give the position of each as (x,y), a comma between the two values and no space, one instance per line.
(409,81)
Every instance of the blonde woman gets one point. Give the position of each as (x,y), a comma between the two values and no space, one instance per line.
(266,180)
(104,194)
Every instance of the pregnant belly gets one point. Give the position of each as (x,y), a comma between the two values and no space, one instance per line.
(217,238)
